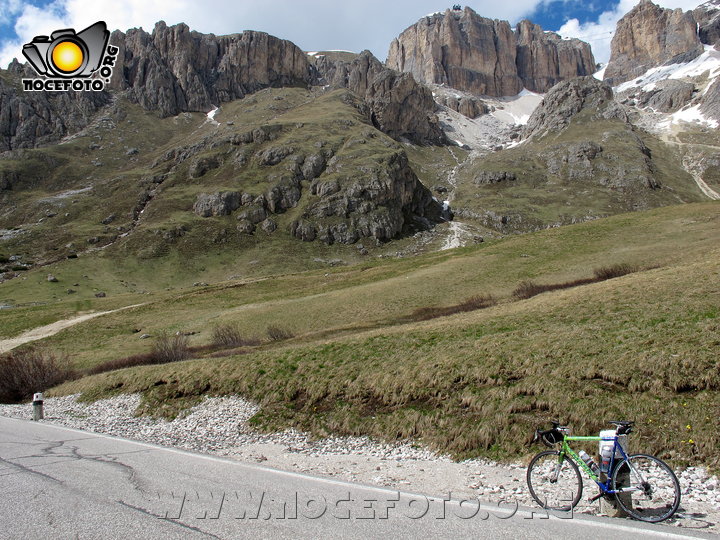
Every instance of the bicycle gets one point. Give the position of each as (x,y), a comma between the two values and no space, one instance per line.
(643,485)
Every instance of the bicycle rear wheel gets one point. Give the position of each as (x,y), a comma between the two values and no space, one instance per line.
(650,490)
(554,484)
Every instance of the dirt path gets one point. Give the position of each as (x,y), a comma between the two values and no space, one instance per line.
(689,166)
(42,332)
(458,233)
(707,190)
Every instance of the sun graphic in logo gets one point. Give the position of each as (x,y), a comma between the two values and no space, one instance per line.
(67,56)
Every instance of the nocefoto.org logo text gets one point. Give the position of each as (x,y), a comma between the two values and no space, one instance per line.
(69,60)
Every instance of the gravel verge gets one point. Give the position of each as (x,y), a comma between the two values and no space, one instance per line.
(219,426)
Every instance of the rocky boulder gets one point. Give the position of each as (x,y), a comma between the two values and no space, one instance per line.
(494,177)
(201,166)
(650,36)
(463,50)
(468,106)
(222,203)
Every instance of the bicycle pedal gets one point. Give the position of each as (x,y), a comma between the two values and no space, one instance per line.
(596,497)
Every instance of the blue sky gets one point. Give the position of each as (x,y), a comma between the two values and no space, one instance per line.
(311,24)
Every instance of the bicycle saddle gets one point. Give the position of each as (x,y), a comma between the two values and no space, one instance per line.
(624,427)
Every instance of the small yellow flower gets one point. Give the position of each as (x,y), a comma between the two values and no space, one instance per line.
(689,426)
(691,441)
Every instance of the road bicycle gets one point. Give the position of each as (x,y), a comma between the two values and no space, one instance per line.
(643,485)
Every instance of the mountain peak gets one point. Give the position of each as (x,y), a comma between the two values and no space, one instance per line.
(650,36)
(487,57)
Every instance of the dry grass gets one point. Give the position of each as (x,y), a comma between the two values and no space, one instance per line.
(641,348)
(24,372)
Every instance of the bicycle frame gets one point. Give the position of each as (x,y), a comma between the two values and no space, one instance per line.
(565,450)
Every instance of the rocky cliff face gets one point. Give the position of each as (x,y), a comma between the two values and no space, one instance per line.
(485,56)
(707,16)
(169,71)
(174,69)
(384,201)
(650,36)
(31,118)
(710,106)
(545,59)
(398,105)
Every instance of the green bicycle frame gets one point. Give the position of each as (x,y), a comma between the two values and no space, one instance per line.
(565,450)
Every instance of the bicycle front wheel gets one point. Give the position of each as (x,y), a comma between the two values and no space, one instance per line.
(649,490)
(554,484)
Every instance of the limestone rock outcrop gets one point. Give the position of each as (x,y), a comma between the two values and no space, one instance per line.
(174,69)
(31,118)
(545,59)
(710,106)
(382,202)
(707,16)
(666,96)
(650,36)
(488,57)
(567,99)
(398,105)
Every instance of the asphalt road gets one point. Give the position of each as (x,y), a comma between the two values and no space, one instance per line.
(62,483)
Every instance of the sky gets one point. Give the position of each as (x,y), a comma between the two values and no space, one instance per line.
(313,25)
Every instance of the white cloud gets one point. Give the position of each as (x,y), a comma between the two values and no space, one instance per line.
(599,33)
(311,24)
(8,9)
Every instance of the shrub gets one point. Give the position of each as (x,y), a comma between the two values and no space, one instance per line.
(24,372)
(226,336)
(477,302)
(276,333)
(470,304)
(120,363)
(616,270)
(528,289)
(170,348)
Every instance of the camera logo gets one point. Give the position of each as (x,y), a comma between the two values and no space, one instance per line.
(69,60)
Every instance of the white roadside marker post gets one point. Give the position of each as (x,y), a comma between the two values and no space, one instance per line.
(38,413)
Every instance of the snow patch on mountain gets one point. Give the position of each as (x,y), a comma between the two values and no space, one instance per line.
(709,61)
(517,109)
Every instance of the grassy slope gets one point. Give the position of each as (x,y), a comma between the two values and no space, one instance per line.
(538,198)
(380,293)
(641,347)
(209,250)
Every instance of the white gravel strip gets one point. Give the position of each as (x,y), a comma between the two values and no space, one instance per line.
(219,426)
